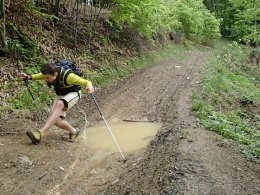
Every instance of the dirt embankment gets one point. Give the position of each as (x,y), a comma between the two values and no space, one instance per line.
(183,158)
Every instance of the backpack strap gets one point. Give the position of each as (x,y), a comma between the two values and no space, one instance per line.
(63,77)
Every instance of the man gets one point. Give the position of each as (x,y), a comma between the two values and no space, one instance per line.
(67,86)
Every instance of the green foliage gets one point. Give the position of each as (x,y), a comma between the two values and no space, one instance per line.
(145,16)
(22,51)
(24,99)
(244,26)
(22,46)
(43,15)
(240,19)
(211,27)
(20,42)
(33,9)
(150,16)
(230,99)
(196,21)
(41,93)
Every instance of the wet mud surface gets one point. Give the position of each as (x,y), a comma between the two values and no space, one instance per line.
(183,157)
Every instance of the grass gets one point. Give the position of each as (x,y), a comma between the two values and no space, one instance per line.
(229,102)
(41,96)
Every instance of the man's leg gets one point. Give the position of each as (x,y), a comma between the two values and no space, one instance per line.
(36,136)
(54,116)
(63,124)
(60,106)
(69,101)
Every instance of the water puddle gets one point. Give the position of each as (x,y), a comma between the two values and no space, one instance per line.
(130,136)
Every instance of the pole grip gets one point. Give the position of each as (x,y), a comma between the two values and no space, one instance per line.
(93,97)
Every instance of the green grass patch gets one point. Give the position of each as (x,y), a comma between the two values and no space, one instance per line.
(229,102)
(24,100)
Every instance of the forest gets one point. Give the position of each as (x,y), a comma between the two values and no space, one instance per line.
(192,65)
(198,21)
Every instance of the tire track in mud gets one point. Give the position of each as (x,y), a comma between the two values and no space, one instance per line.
(183,158)
(206,168)
(149,93)
(156,170)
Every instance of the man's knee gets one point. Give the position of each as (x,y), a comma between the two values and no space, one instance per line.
(59,122)
(60,104)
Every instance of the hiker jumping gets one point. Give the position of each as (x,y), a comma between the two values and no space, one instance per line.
(67,85)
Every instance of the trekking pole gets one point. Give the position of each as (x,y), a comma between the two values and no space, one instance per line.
(93,97)
(26,83)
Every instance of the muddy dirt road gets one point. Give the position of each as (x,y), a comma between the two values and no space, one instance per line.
(183,158)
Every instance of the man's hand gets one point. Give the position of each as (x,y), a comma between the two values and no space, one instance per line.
(23,75)
(90,89)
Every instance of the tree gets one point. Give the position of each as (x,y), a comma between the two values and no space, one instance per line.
(150,16)
(240,18)
(3,16)
(76,23)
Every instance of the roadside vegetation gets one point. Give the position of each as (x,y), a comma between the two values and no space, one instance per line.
(229,102)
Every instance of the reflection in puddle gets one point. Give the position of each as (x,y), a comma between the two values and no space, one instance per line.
(130,136)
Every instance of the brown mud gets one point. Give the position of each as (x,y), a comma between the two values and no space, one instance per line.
(183,158)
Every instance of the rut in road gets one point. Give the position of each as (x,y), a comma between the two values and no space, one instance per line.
(184,158)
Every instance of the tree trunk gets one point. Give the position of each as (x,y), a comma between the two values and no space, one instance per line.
(3,33)
(76,24)
(257,28)
(84,12)
(57,8)
(96,15)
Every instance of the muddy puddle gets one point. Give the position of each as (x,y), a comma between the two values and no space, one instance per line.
(130,136)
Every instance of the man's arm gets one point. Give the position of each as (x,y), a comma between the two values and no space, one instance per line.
(74,79)
(38,76)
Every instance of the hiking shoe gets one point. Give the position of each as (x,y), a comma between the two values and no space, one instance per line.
(73,136)
(35,136)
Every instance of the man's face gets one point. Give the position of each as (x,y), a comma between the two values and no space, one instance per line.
(50,78)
